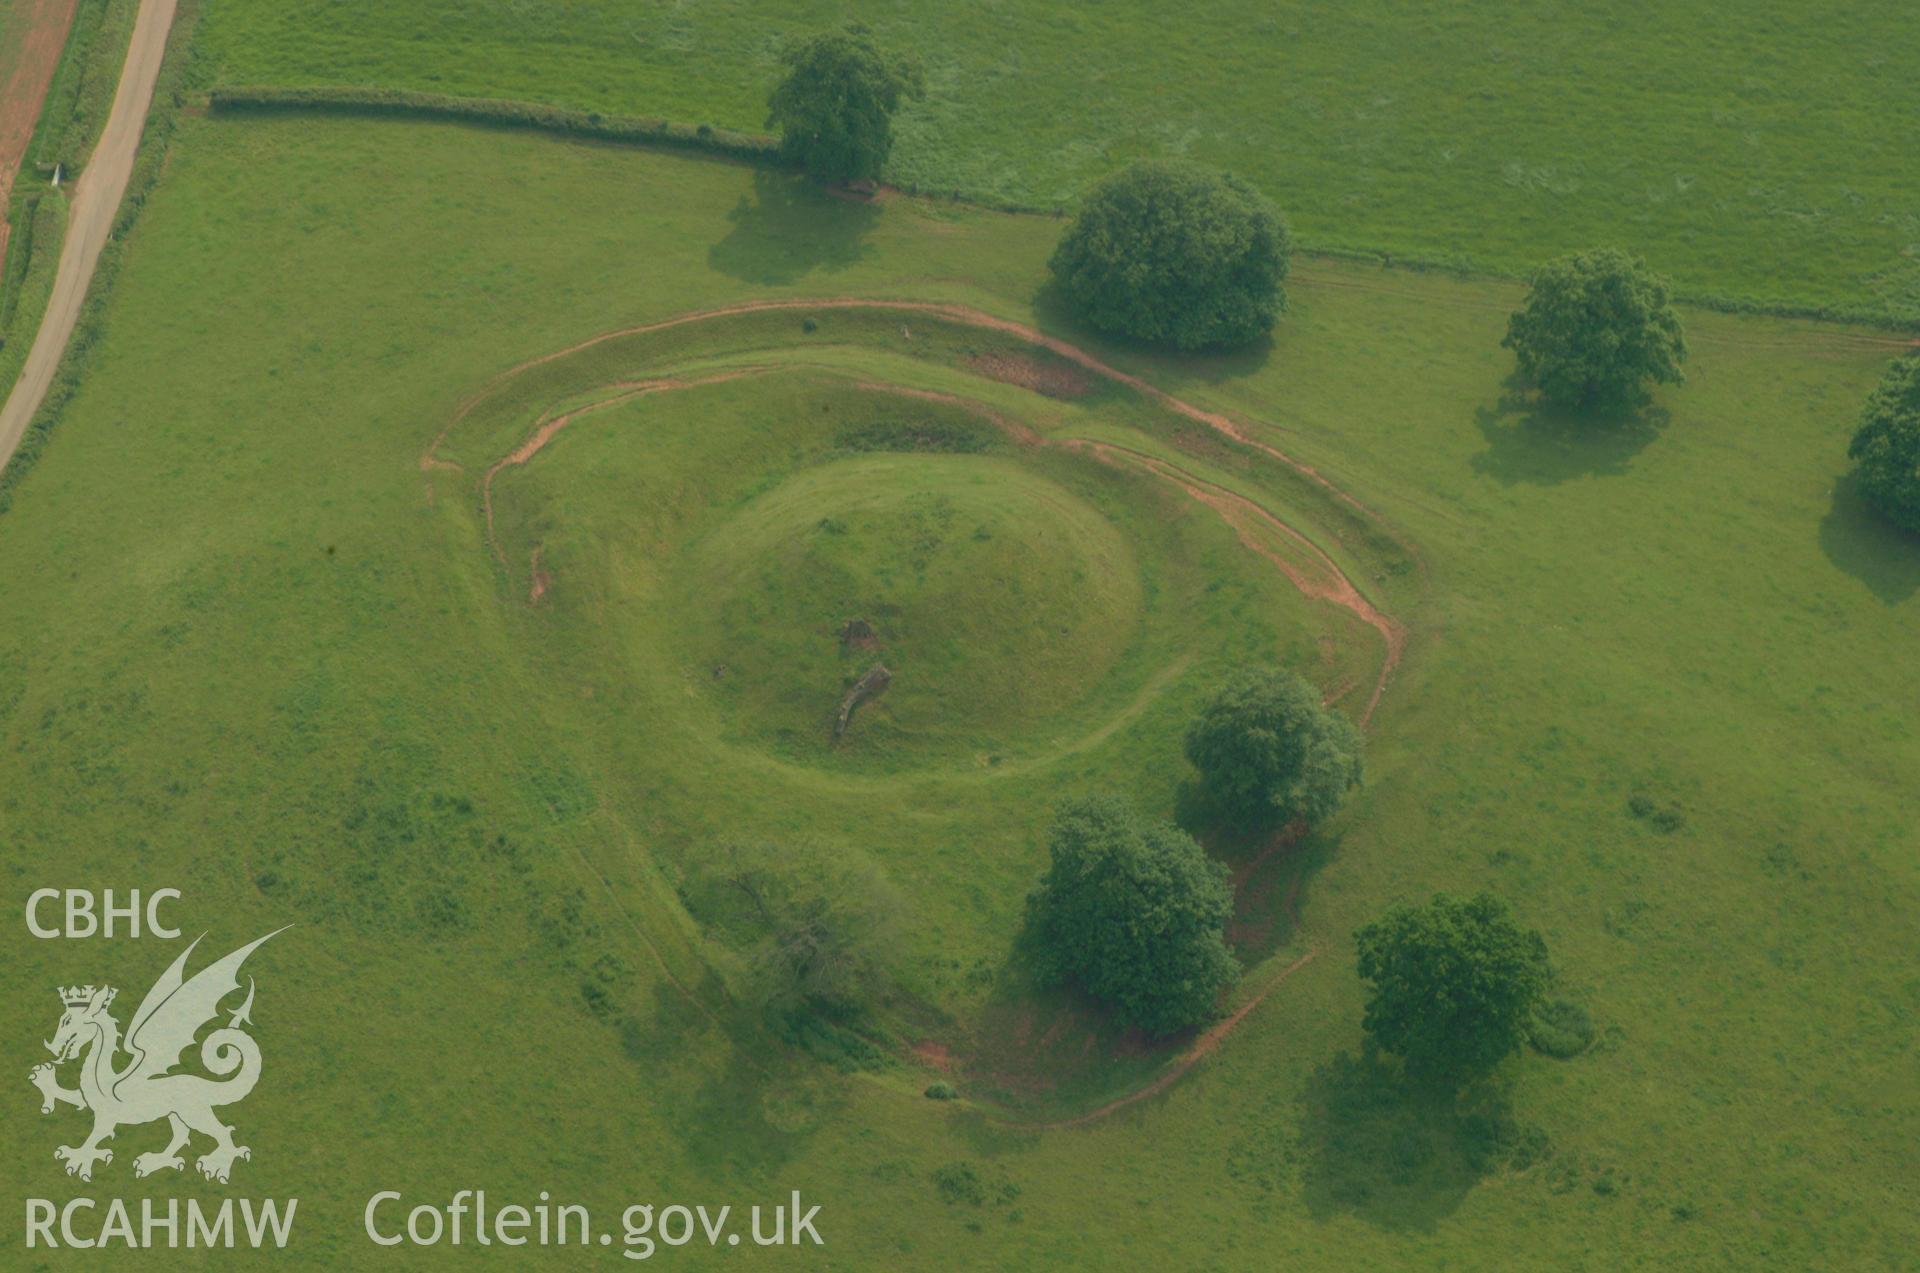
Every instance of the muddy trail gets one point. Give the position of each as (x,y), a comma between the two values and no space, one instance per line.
(1310,569)
(1345,592)
(1328,583)
(963,315)
(550,427)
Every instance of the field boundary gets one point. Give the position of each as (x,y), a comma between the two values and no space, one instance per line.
(494,112)
(508,113)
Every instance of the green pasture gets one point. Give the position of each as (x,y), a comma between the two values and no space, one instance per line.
(1758,151)
(256,644)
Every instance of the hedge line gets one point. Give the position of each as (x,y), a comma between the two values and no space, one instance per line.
(648,131)
(503,113)
(36,224)
(1466,268)
(168,96)
(496,113)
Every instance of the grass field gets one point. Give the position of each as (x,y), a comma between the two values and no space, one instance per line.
(1754,153)
(254,648)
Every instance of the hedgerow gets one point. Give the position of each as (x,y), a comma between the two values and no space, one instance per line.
(496,113)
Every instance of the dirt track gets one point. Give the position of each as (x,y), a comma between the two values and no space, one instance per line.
(95,203)
(41,27)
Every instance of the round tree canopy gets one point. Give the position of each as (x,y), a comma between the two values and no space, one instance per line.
(1174,253)
(1453,983)
(1596,328)
(1266,745)
(1132,911)
(835,106)
(1887,447)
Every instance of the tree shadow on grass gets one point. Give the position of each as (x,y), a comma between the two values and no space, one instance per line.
(1534,442)
(1230,834)
(1042,1052)
(1398,1154)
(1869,547)
(789,228)
(743,1117)
(746,1121)
(1270,863)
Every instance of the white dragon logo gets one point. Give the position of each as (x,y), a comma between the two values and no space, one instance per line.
(144,1090)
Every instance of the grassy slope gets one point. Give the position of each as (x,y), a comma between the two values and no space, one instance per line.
(1755,153)
(244,654)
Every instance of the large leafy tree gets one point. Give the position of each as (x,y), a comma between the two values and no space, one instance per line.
(835,105)
(1266,745)
(1132,911)
(1596,329)
(1176,254)
(1886,448)
(1454,984)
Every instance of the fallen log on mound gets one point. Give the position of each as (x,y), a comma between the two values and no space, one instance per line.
(871,685)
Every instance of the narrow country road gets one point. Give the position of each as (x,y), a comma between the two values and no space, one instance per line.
(90,217)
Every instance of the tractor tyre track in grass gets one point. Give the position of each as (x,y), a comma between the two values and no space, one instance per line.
(1320,578)
(90,219)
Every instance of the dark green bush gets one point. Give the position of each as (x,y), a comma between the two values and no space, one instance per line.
(835,105)
(1663,818)
(914,435)
(1266,745)
(1886,448)
(960,1182)
(942,1092)
(1133,912)
(816,928)
(1454,984)
(1173,253)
